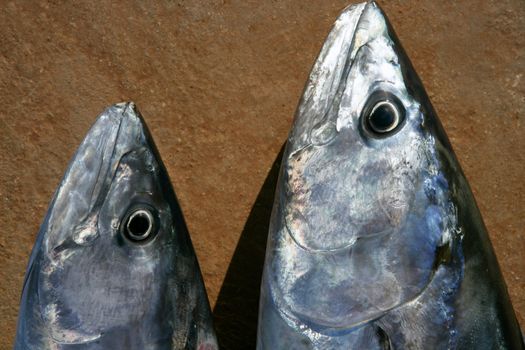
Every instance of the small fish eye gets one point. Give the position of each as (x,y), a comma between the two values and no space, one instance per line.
(383,115)
(139,225)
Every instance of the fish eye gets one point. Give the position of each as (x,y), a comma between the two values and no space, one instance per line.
(139,225)
(383,115)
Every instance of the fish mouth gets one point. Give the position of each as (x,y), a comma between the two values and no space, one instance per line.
(316,126)
(316,121)
(329,73)
(73,214)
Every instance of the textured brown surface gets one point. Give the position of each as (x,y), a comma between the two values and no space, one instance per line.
(217,83)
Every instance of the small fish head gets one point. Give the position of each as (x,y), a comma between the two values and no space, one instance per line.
(114,240)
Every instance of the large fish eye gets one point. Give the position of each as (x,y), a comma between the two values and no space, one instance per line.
(139,225)
(383,115)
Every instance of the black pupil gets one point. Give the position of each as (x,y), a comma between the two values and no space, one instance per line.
(139,225)
(383,118)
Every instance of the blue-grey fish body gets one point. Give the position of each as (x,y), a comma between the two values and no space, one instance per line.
(375,239)
(113,266)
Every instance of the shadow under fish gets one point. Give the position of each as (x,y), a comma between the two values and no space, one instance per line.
(235,312)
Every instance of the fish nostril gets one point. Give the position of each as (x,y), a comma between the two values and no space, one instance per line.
(139,225)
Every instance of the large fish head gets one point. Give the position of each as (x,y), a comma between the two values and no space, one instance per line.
(114,258)
(363,205)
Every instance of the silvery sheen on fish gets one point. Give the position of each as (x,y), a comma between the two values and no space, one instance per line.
(113,266)
(375,239)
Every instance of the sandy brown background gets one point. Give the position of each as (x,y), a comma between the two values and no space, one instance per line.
(218,83)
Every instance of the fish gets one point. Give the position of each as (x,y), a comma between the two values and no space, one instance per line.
(113,266)
(375,239)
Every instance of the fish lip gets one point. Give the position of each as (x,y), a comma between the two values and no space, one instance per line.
(327,79)
(83,189)
(346,15)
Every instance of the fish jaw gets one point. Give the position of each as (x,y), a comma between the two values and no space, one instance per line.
(358,59)
(75,208)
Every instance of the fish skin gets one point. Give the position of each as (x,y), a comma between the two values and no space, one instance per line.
(88,286)
(376,242)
